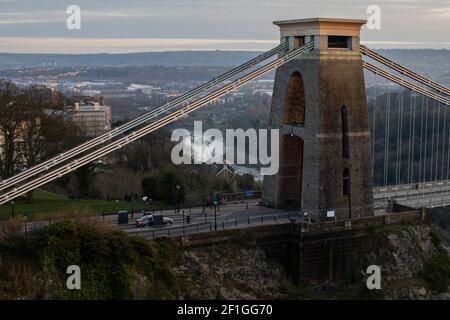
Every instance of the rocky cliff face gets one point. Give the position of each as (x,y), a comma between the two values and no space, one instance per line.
(404,256)
(412,262)
(230,272)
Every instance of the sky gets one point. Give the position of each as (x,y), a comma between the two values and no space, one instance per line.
(113,26)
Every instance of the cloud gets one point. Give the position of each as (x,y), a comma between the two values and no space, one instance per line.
(402,20)
(87,15)
(440,12)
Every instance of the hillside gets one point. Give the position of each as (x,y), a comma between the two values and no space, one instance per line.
(116,266)
(435,63)
(169,58)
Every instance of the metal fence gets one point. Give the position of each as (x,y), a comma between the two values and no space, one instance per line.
(213,225)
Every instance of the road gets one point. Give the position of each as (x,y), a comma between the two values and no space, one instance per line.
(247,214)
(230,216)
(429,194)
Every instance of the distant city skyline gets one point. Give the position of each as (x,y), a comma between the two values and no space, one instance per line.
(29,26)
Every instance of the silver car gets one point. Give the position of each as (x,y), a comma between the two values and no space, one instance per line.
(144,221)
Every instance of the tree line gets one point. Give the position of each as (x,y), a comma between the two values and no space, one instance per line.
(32,127)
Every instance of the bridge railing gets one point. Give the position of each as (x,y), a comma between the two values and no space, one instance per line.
(303,225)
(212,225)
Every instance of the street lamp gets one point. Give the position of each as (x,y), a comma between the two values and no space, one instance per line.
(12,207)
(215,217)
(147,200)
(176,198)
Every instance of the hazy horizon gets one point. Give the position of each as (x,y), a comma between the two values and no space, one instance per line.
(117,26)
(110,46)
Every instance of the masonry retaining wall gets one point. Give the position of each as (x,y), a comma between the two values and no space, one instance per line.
(311,252)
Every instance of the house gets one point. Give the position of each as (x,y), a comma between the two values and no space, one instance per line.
(225,172)
(94,118)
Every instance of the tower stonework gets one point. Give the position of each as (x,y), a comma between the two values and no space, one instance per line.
(319,105)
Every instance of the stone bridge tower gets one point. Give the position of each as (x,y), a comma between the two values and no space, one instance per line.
(319,105)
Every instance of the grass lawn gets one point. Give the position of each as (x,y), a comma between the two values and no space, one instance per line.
(46,204)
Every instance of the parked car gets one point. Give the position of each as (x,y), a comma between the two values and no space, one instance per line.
(160,220)
(168,221)
(144,221)
(150,220)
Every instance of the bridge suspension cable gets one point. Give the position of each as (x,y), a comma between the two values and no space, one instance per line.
(405,83)
(65,156)
(437,142)
(410,161)
(403,70)
(139,133)
(439,94)
(426,140)
(422,142)
(432,141)
(387,139)
(448,162)
(444,131)
(399,128)
(374,127)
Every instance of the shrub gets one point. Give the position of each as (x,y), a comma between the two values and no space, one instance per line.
(436,271)
(110,263)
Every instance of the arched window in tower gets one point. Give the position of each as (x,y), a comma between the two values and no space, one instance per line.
(346,182)
(345,142)
(294,102)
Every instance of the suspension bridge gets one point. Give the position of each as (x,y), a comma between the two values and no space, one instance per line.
(416,175)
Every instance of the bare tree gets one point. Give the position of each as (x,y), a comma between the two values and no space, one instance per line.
(33,127)
(11,116)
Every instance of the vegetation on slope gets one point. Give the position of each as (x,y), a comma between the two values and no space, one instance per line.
(112,264)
